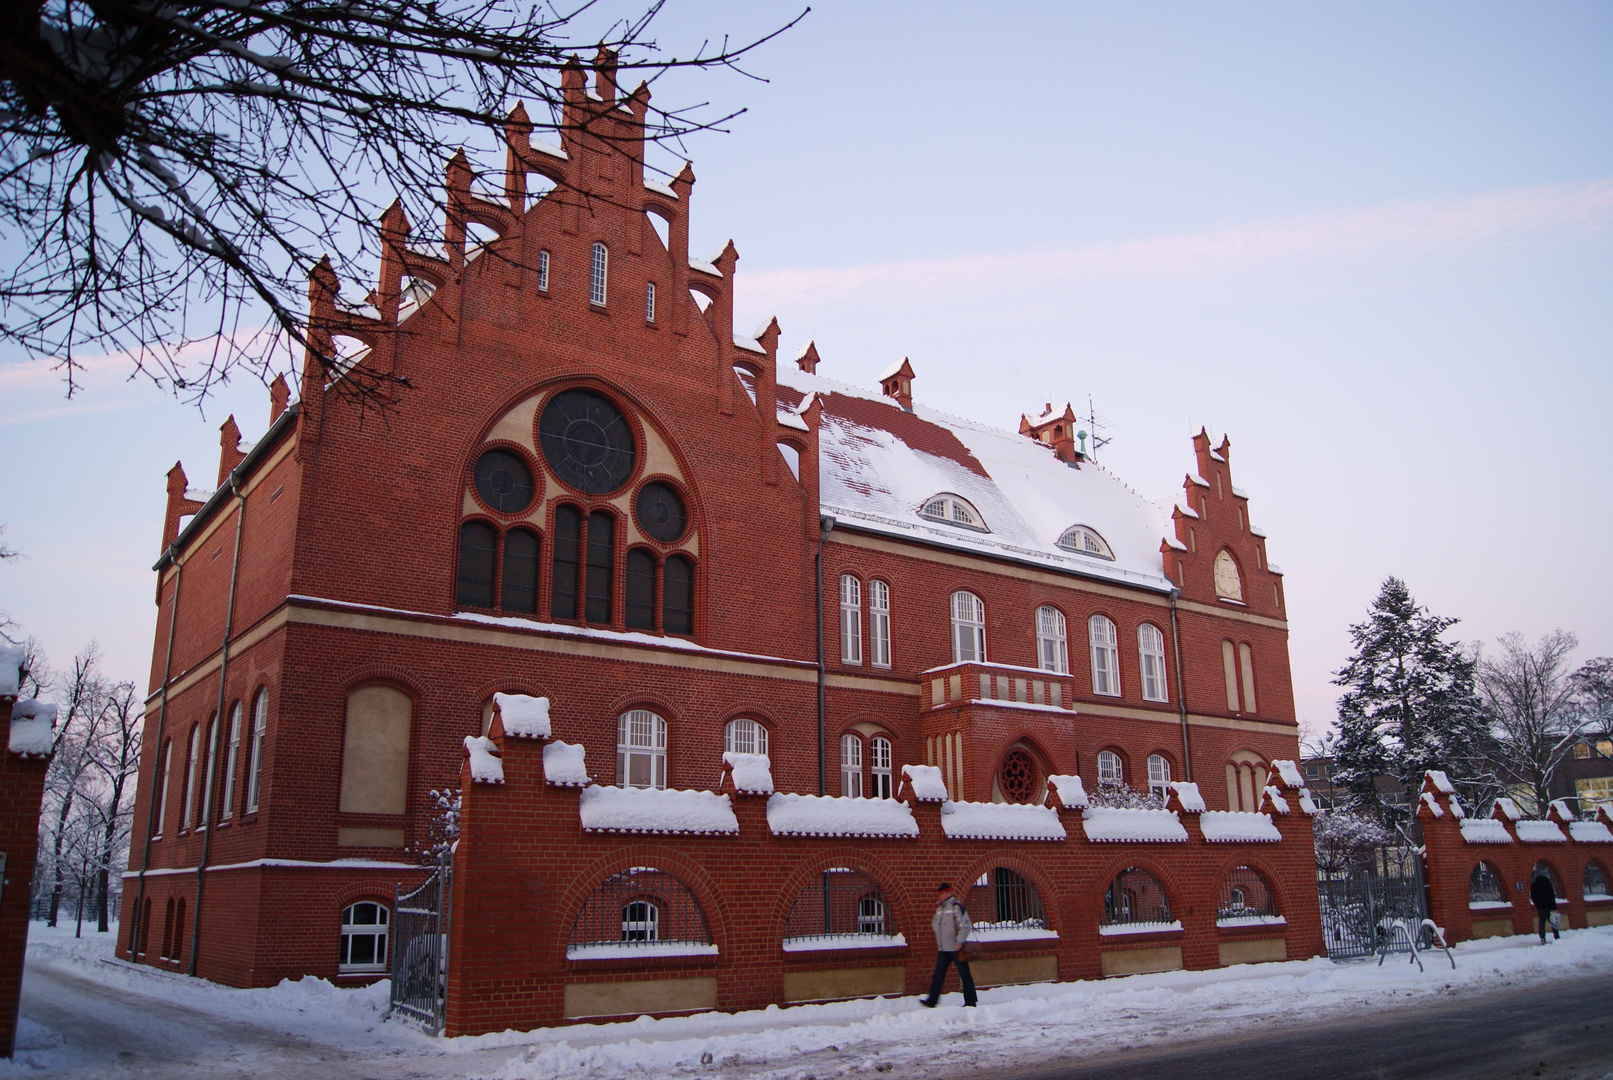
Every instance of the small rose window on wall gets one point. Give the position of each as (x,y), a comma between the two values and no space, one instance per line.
(503,481)
(661,513)
(1228,582)
(1017,777)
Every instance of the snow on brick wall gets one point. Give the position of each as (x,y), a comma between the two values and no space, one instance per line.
(1102,823)
(1223,826)
(823,815)
(485,767)
(1000,821)
(1540,832)
(523,716)
(1189,794)
(926,782)
(32,725)
(651,810)
(1590,832)
(752,773)
(1071,792)
(565,764)
(1289,772)
(1485,831)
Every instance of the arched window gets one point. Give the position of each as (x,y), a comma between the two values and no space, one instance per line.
(851,642)
(1136,898)
(543,270)
(949,509)
(851,766)
(186,819)
(254,769)
(375,752)
(1151,655)
(1052,651)
(1084,541)
(598,268)
(1002,899)
(601,588)
(640,590)
(364,937)
(968,628)
(744,736)
(879,623)
(563,581)
(165,765)
(1229,666)
(1246,780)
(209,773)
(1246,897)
(1484,885)
(478,549)
(231,753)
(1159,775)
(1596,881)
(649,302)
(1228,581)
(1246,665)
(1111,770)
(879,751)
(677,595)
(1105,656)
(836,903)
(1018,778)
(179,930)
(520,592)
(640,750)
(167,931)
(639,904)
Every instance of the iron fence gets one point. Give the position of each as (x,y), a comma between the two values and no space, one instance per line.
(420,949)
(1363,913)
(1245,894)
(640,904)
(1135,897)
(1002,898)
(838,902)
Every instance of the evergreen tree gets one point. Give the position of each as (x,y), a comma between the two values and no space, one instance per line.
(1409,705)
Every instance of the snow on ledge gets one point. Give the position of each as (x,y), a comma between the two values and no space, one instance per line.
(1189,794)
(1441,781)
(1252,920)
(12,658)
(1540,832)
(831,942)
(1227,826)
(752,773)
(1142,928)
(659,188)
(1590,832)
(1108,823)
(655,810)
(485,767)
(1289,772)
(926,782)
(565,764)
(1484,831)
(1431,801)
(1013,933)
(1597,897)
(1000,821)
(1072,793)
(523,716)
(826,815)
(1489,905)
(33,723)
(638,950)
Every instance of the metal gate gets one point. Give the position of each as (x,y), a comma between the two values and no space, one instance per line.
(420,949)
(1361,911)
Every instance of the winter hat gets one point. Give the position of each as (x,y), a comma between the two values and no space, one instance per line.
(945,886)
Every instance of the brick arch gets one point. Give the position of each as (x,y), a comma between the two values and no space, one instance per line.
(642,699)
(1029,869)
(1259,775)
(1554,865)
(528,458)
(1158,866)
(1127,769)
(1261,865)
(906,906)
(1027,738)
(694,876)
(394,675)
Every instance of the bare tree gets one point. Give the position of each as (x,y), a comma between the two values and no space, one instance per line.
(170,173)
(1346,840)
(79,717)
(115,759)
(1532,700)
(1593,686)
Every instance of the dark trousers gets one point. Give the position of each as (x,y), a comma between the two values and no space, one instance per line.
(1545,924)
(968,979)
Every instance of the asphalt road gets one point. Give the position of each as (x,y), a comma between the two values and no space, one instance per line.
(1556,1031)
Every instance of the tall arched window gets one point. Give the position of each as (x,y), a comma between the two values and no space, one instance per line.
(1136,897)
(1246,665)
(209,774)
(744,736)
(1484,885)
(1246,778)
(478,547)
(1151,657)
(640,750)
(165,765)
(601,586)
(677,595)
(563,582)
(1105,656)
(851,606)
(227,795)
(254,770)
(879,623)
(1159,775)
(640,590)
(879,752)
(185,819)
(1052,647)
(851,766)
(1229,666)
(364,937)
(1111,770)
(968,628)
(598,269)
(520,591)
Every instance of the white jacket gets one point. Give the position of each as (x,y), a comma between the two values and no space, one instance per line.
(951,924)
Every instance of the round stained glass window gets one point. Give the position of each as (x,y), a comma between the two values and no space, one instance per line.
(503,481)
(587,442)
(1018,777)
(661,513)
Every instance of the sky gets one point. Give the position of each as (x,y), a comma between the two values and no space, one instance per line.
(1372,243)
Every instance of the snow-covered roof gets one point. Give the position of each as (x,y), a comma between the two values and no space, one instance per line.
(753,773)
(1432,803)
(1115,823)
(652,810)
(879,464)
(1440,781)
(1000,821)
(824,815)
(1189,795)
(565,764)
(1070,790)
(32,725)
(1289,772)
(1540,832)
(1485,831)
(485,766)
(1274,795)
(1227,826)
(659,188)
(523,716)
(1590,832)
(1506,808)
(926,782)
(1564,811)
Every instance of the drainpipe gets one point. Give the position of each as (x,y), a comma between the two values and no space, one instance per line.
(826,525)
(1181,690)
(218,722)
(162,723)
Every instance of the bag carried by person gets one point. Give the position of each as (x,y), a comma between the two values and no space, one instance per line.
(1556,920)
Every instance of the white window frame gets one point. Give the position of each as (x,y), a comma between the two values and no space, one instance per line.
(228,798)
(649,301)
(598,273)
(1159,775)
(209,773)
(851,608)
(641,734)
(186,818)
(879,623)
(649,926)
(1052,640)
(881,761)
(968,628)
(1151,658)
(260,727)
(1082,540)
(949,509)
(870,915)
(744,735)
(543,270)
(381,931)
(167,772)
(1111,768)
(1105,656)
(851,765)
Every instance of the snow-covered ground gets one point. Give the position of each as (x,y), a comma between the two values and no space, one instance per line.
(347,1032)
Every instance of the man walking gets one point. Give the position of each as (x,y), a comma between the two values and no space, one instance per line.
(952,927)
(1543,894)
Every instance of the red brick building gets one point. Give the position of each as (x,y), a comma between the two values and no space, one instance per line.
(27,733)
(590,488)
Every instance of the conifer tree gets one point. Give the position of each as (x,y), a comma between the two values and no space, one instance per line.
(1409,705)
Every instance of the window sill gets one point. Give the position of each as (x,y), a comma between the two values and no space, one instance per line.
(372,973)
(1229,600)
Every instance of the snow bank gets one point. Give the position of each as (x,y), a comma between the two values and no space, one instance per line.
(32,725)
(753,773)
(1484,831)
(523,716)
(565,764)
(827,942)
(1590,832)
(1071,792)
(1540,832)
(12,657)
(1289,772)
(1489,905)
(1103,823)
(1189,795)
(1140,928)
(825,815)
(1228,826)
(926,782)
(485,767)
(654,810)
(637,950)
(1000,821)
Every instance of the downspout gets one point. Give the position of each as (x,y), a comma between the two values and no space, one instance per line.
(1181,689)
(826,525)
(218,722)
(162,723)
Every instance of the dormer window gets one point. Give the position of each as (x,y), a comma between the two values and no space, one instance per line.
(1083,541)
(951,510)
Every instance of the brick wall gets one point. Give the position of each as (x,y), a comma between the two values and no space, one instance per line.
(22,785)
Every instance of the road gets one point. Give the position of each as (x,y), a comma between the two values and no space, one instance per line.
(1556,1031)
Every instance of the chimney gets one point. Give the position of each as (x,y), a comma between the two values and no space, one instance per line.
(897,382)
(807,358)
(1056,430)
(279,394)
